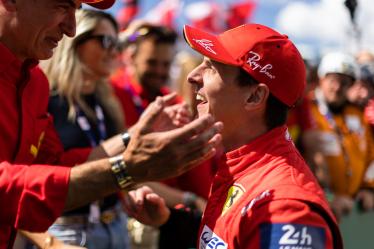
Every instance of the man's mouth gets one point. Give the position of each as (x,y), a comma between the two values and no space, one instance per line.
(200,99)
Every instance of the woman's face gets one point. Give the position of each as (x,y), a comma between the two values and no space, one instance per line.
(98,52)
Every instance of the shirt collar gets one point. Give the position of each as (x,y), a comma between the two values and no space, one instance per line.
(8,60)
(273,143)
(11,65)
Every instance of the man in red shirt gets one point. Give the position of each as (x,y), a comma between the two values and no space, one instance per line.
(148,53)
(32,193)
(263,195)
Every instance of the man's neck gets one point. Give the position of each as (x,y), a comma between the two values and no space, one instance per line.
(242,136)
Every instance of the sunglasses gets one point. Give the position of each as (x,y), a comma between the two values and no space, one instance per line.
(107,42)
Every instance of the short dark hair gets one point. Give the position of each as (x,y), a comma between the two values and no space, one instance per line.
(160,35)
(276,111)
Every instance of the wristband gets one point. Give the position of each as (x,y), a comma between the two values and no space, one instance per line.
(125,138)
(119,170)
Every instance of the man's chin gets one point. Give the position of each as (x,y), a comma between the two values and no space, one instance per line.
(45,55)
(202,110)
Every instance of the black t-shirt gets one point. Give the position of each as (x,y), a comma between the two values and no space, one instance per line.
(72,136)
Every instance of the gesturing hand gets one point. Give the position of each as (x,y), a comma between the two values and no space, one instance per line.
(155,153)
(163,115)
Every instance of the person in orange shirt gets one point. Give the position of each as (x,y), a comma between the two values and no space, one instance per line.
(344,143)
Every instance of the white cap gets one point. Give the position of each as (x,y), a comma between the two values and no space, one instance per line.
(338,62)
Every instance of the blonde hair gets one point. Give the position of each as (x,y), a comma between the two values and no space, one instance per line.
(65,72)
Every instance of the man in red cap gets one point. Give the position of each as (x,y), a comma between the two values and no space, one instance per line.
(32,192)
(263,194)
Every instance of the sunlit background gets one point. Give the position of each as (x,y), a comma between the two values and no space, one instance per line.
(316,26)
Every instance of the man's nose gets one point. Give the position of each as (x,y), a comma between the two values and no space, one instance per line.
(194,77)
(69,25)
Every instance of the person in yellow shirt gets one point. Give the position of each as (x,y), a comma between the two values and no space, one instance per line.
(343,145)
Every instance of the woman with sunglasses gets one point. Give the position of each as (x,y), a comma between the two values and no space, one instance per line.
(85,113)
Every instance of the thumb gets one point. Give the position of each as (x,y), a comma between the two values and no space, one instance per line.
(169,99)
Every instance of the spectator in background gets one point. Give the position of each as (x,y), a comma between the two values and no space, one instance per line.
(344,145)
(86,112)
(148,51)
(365,57)
(362,92)
(185,62)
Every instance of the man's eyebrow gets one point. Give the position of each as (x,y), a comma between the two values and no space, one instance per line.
(208,61)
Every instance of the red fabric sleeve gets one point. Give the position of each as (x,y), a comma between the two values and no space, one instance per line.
(32,197)
(51,150)
(275,223)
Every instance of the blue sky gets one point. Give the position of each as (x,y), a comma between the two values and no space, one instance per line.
(315,26)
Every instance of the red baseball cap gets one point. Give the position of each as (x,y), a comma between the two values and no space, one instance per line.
(100,4)
(268,56)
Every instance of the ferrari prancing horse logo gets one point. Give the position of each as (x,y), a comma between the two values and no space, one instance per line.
(234,194)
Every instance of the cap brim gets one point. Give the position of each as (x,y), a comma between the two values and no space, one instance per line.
(208,45)
(105,4)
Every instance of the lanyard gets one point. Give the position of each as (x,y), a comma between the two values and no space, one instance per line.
(324,110)
(86,127)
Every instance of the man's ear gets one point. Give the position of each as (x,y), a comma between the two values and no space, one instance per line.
(9,5)
(257,96)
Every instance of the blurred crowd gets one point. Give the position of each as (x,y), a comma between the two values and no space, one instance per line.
(103,79)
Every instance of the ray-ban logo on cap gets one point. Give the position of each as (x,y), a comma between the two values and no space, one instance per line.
(253,61)
(207,44)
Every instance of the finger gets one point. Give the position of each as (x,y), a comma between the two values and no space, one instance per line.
(139,196)
(151,113)
(197,157)
(155,199)
(169,99)
(209,136)
(197,126)
(184,110)
(129,205)
(184,114)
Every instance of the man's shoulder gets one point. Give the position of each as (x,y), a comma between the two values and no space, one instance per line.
(37,76)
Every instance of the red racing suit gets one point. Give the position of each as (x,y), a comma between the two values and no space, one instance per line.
(31,196)
(265,196)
